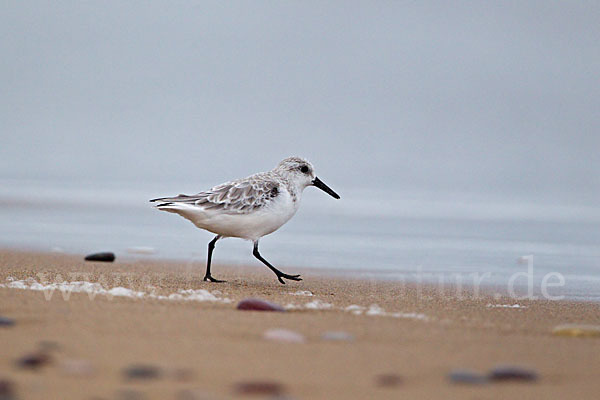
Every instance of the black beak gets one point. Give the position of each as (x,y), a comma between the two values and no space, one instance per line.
(319,183)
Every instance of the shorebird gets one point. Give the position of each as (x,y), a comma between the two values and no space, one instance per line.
(248,208)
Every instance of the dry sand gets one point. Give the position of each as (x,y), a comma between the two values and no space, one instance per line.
(205,348)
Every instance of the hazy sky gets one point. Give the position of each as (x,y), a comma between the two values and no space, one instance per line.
(499,97)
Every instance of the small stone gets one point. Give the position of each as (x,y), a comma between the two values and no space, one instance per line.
(48,345)
(260,388)
(258,305)
(129,394)
(283,335)
(7,390)
(339,336)
(142,372)
(465,376)
(191,394)
(183,374)
(186,394)
(388,380)
(33,361)
(104,256)
(5,321)
(577,330)
(512,373)
(77,367)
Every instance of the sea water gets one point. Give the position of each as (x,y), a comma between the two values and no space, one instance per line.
(371,234)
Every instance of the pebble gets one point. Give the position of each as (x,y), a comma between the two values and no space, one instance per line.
(512,373)
(192,394)
(183,374)
(105,256)
(33,360)
(283,335)
(129,394)
(260,388)
(337,336)
(577,330)
(467,377)
(5,321)
(7,390)
(388,380)
(49,345)
(258,305)
(77,367)
(142,372)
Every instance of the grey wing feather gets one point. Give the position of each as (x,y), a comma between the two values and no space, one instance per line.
(237,197)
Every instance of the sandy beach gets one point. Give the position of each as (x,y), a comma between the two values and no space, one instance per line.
(355,339)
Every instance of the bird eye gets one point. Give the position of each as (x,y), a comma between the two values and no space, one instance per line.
(304,169)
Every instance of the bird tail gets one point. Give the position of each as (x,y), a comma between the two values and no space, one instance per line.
(161,202)
(173,204)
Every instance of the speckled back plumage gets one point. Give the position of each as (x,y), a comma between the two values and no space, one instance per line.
(240,196)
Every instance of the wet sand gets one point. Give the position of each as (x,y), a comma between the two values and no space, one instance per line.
(414,335)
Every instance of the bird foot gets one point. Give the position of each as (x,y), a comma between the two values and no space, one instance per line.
(208,278)
(290,277)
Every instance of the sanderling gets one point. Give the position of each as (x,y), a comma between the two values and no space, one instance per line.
(248,208)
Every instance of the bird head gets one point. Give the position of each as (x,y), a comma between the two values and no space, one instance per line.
(302,173)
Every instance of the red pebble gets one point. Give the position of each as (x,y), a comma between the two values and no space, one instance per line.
(512,373)
(33,361)
(258,305)
(388,380)
(263,388)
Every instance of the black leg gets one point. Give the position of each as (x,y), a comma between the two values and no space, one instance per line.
(279,274)
(211,247)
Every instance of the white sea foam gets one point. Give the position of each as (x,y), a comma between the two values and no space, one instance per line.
(355,309)
(66,288)
(302,293)
(318,305)
(418,316)
(490,305)
(94,289)
(196,295)
(124,292)
(376,310)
